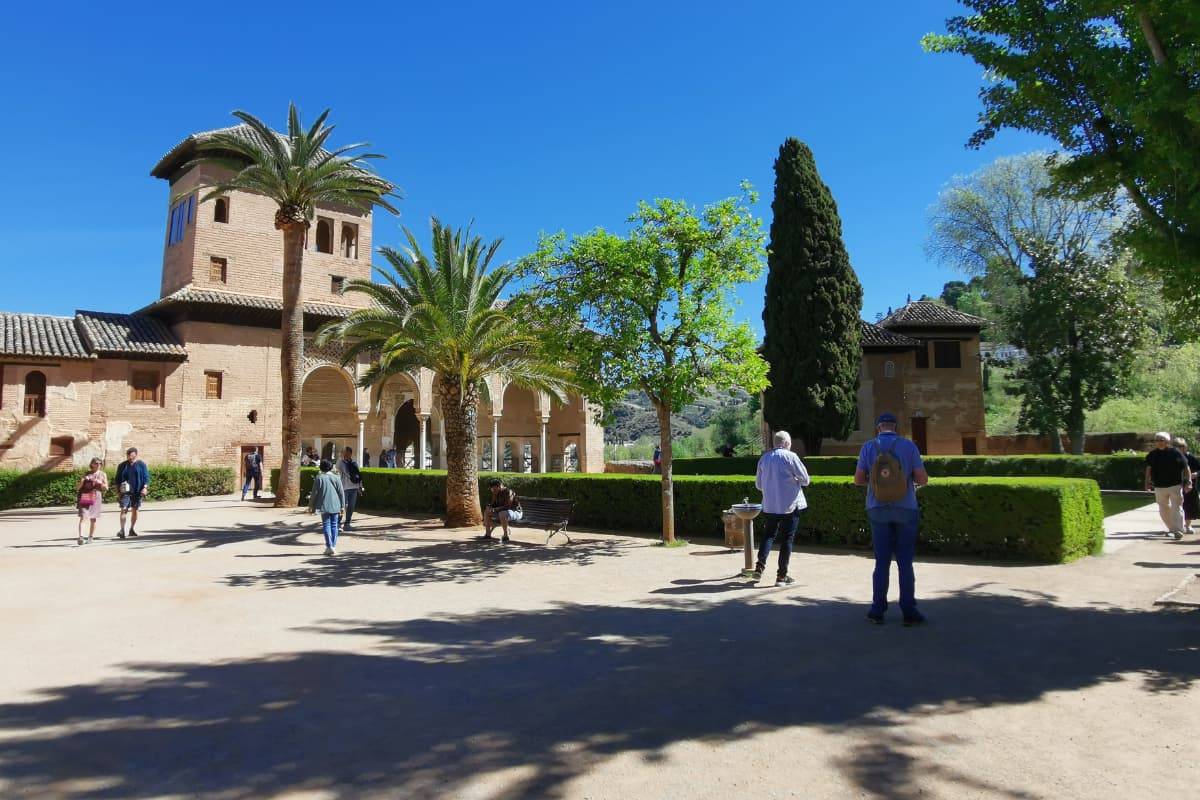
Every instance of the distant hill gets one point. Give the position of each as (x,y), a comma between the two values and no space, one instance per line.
(635,416)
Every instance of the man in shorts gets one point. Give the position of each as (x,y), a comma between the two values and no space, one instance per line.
(133,481)
(504,508)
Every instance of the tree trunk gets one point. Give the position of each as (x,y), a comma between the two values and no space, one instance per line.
(1075,415)
(1152,40)
(291,364)
(459,410)
(668,486)
(1055,441)
(812,445)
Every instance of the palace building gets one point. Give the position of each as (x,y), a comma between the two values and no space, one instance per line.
(922,363)
(194,377)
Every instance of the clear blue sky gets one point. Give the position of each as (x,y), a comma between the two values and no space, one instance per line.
(526,117)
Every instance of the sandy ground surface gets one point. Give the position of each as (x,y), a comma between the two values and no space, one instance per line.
(221,655)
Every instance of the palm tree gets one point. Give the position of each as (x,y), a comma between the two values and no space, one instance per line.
(298,173)
(443,313)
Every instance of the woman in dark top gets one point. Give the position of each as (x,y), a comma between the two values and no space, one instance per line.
(1191,500)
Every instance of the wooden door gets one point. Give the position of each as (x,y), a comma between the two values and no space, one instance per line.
(918,433)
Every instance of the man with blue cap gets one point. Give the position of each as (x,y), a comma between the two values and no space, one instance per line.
(890,467)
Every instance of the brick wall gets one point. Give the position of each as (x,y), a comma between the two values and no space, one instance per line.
(253,249)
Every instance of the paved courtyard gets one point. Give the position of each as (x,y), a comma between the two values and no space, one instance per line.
(221,655)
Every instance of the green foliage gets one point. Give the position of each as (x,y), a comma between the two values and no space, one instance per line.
(1046,520)
(812,306)
(294,170)
(1081,326)
(37,489)
(1115,85)
(1163,394)
(1110,472)
(440,311)
(652,310)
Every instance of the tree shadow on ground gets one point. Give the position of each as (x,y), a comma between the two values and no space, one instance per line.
(434,561)
(421,708)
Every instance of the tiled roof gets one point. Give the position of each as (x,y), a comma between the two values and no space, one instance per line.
(123,334)
(192,296)
(40,335)
(186,151)
(876,336)
(928,314)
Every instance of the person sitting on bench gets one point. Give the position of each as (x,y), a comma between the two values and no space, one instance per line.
(504,508)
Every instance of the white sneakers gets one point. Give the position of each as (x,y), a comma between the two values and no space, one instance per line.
(329,551)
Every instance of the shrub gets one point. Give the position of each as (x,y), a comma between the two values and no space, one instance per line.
(1046,520)
(37,489)
(1123,471)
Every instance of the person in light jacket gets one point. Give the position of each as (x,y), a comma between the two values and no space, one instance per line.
(327,497)
(780,477)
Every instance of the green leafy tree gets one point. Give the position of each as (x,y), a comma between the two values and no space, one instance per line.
(1114,83)
(440,310)
(297,173)
(1081,327)
(811,312)
(738,427)
(652,309)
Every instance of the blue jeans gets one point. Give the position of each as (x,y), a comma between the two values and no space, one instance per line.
(894,535)
(351,504)
(784,526)
(252,480)
(330,524)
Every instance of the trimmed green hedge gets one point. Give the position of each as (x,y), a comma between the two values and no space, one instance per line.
(1111,472)
(1045,520)
(37,489)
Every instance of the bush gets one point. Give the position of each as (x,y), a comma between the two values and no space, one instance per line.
(1045,520)
(37,489)
(1124,471)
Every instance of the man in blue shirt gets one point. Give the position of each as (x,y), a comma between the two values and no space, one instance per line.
(780,476)
(893,525)
(133,481)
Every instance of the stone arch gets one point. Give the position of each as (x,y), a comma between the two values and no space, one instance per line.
(329,408)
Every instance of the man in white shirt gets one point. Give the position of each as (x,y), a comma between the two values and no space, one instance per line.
(780,476)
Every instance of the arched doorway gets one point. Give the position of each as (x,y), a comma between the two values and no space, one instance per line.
(329,418)
(406,435)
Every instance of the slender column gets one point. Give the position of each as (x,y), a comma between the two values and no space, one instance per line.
(496,464)
(442,444)
(362,426)
(423,446)
(545,456)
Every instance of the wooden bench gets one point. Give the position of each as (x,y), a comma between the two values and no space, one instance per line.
(548,513)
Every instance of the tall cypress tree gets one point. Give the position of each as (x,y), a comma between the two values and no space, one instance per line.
(811,314)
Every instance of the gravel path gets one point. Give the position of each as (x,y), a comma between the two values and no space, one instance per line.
(220,655)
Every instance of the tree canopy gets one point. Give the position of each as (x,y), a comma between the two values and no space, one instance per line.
(652,309)
(1115,84)
(812,308)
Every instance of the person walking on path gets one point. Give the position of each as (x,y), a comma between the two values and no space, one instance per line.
(352,485)
(1191,500)
(89,494)
(327,498)
(891,468)
(253,473)
(780,477)
(133,481)
(366,458)
(504,508)
(657,460)
(1168,476)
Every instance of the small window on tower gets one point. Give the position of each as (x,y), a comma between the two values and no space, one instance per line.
(923,356)
(212,385)
(349,240)
(324,235)
(336,284)
(35,394)
(221,210)
(218,270)
(947,355)
(889,371)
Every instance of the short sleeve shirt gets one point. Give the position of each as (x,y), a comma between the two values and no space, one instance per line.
(1166,467)
(906,453)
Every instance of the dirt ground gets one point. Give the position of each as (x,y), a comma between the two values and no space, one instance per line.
(221,655)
